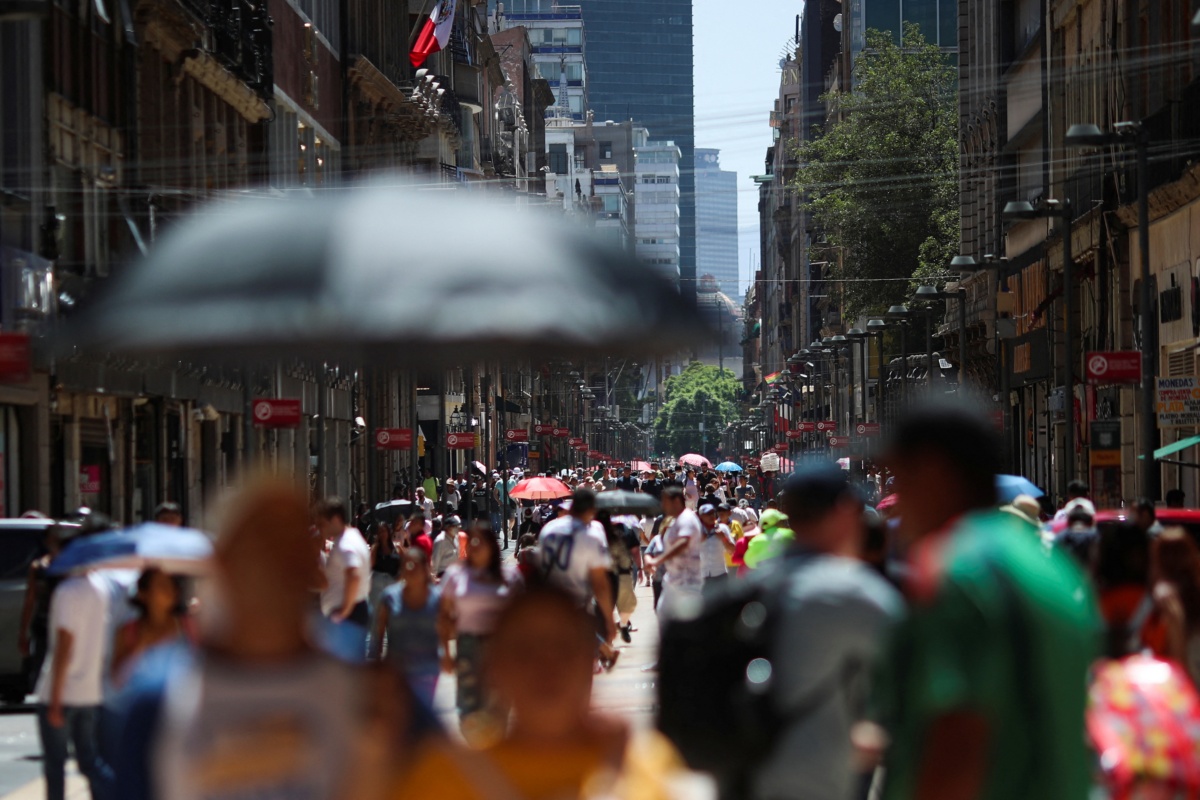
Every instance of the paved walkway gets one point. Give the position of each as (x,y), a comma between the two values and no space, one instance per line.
(627,691)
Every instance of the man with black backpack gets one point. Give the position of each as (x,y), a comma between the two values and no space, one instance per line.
(783,657)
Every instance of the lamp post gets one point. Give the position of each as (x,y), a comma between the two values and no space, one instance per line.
(876,328)
(859,337)
(1134,134)
(901,315)
(1024,210)
(931,293)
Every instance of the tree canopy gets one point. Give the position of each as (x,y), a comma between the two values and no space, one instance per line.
(882,181)
(700,393)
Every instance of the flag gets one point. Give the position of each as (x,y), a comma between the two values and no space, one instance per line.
(770,379)
(435,34)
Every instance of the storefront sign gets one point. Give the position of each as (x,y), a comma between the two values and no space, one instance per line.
(460,441)
(276,413)
(394,438)
(15,360)
(1112,368)
(89,479)
(516,435)
(867,428)
(1179,402)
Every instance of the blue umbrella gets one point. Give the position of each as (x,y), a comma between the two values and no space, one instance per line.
(728,466)
(1009,486)
(174,550)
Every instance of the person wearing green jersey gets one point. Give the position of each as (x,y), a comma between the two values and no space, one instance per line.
(984,688)
(772,541)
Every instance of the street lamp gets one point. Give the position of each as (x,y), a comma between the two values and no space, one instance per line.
(876,327)
(859,337)
(1134,134)
(927,311)
(1024,210)
(900,314)
(931,293)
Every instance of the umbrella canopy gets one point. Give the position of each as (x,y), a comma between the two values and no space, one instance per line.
(695,460)
(179,551)
(540,489)
(887,502)
(392,510)
(479,467)
(382,274)
(641,466)
(1009,486)
(620,501)
(728,466)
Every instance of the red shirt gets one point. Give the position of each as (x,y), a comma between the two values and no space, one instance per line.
(425,543)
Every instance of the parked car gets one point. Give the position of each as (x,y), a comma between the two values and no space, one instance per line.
(21,542)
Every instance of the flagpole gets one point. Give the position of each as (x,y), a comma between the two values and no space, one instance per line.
(416,29)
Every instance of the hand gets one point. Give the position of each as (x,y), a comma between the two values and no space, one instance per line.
(54,715)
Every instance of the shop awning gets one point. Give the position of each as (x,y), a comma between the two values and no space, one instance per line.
(1172,449)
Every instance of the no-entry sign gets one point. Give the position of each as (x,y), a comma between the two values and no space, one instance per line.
(796,434)
(560,433)
(543,430)
(1124,366)
(277,413)
(394,438)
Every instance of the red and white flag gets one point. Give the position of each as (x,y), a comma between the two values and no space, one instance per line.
(436,32)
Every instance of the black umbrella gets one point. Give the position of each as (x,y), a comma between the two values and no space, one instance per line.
(619,501)
(384,275)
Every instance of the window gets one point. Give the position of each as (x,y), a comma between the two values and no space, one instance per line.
(558,159)
(574,71)
(664,179)
(606,150)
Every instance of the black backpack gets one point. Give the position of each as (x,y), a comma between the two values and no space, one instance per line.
(715,670)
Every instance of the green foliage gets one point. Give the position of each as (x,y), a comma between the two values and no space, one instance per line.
(882,182)
(699,393)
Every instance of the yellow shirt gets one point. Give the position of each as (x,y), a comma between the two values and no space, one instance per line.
(735,528)
(446,772)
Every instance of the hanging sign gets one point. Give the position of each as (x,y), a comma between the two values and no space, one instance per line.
(394,438)
(276,413)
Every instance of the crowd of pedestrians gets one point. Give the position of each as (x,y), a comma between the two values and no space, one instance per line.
(900,634)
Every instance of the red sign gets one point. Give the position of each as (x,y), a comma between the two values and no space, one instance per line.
(15,360)
(581,447)
(867,428)
(460,441)
(560,433)
(272,413)
(516,435)
(595,454)
(394,438)
(808,427)
(796,434)
(1119,367)
(826,425)
(89,479)
(781,448)
(575,441)
(838,442)
(542,430)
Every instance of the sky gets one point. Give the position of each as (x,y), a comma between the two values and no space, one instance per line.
(737,80)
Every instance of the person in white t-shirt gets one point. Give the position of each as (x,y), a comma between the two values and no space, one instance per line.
(681,554)
(716,541)
(575,558)
(344,598)
(71,688)
(424,503)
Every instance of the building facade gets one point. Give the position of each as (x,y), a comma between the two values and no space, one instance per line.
(717,223)
(640,67)
(556,33)
(658,208)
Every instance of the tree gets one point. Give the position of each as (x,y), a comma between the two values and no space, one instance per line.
(700,393)
(882,181)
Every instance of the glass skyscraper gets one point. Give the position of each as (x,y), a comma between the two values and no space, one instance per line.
(639,63)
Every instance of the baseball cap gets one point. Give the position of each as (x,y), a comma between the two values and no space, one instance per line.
(814,489)
(707,508)
(452,521)
(724,507)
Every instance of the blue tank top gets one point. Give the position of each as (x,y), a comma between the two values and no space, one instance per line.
(412,637)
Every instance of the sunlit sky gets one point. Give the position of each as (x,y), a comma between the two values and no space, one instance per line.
(737,52)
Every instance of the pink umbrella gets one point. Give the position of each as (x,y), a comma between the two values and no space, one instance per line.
(540,489)
(695,460)
(640,466)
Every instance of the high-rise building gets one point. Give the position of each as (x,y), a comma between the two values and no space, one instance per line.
(639,62)
(656,207)
(717,223)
